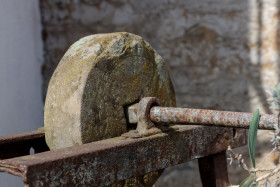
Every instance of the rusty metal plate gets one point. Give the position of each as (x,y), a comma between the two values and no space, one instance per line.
(107,161)
(20,144)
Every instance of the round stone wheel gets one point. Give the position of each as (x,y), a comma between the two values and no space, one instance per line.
(95,80)
(97,77)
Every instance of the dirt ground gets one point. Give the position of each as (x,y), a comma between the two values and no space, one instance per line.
(187,174)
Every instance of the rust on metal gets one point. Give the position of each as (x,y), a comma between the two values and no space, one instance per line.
(190,116)
(20,144)
(146,115)
(105,162)
(143,113)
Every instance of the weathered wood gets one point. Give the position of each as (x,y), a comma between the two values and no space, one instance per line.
(213,170)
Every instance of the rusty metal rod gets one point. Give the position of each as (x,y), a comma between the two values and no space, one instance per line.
(209,117)
(189,116)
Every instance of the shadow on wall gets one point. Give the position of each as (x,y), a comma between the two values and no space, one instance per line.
(222,54)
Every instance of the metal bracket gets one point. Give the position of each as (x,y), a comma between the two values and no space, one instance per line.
(145,127)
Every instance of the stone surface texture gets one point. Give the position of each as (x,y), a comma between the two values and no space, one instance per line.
(222,54)
(95,80)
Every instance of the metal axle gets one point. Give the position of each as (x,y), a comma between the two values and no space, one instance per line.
(189,116)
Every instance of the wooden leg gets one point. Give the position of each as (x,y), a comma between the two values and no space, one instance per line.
(213,170)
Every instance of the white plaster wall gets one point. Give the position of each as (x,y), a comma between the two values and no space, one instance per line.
(21,106)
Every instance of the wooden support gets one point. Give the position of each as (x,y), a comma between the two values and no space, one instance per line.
(213,170)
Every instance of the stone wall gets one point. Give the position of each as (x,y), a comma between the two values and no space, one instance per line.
(222,54)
